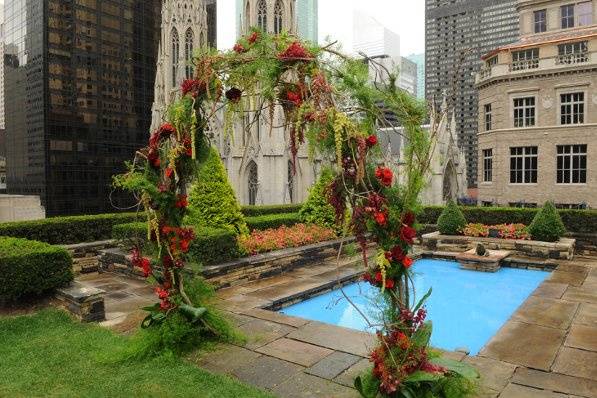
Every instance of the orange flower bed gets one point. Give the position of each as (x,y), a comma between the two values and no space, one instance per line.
(284,237)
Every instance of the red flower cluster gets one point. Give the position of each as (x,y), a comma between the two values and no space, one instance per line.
(181,202)
(253,38)
(376,205)
(179,238)
(294,52)
(164,296)
(295,98)
(284,237)
(408,234)
(239,48)
(141,262)
(194,87)
(377,280)
(188,146)
(165,131)
(384,175)
(234,95)
(371,141)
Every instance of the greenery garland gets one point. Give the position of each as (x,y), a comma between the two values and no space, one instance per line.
(328,100)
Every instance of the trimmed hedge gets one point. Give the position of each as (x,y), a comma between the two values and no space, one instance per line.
(32,268)
(451,221)
(211,246)
(273,221)
(583,221)
(68,230)
(547,224)
(256,211)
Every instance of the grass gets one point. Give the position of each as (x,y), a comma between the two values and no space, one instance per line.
(48,354)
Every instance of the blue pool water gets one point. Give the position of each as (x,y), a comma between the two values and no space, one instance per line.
(467,307)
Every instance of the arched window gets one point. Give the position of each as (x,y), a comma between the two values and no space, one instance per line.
(262,15)
(291,181)
(175,55)
(278,17)
(253,183)
(188,52)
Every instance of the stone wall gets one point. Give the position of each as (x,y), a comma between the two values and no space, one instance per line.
(563,249)
(86,256)
(586,244)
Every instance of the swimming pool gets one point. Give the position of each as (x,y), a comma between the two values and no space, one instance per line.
(467,307)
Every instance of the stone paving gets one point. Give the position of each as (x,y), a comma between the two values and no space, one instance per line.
(547,349)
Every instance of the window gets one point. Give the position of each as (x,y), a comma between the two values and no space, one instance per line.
(253,183)
(486,203)
(175,55)
(487,117)
(523,205)
(492,61)
(262,15)
(572,108)
(278,17)
(487,165)
(573,53)
(540,21)
(524,112)
(567,16)
(188,52)
(572,164)
(525,59)
(523,165)
(585,13)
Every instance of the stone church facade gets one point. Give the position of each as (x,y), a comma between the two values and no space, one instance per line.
(258,159)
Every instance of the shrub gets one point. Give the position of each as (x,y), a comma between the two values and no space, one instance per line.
(547,224)
(68,230)
(284,237)
(32,268)
(317,209)
(255,211)
(451,221)
(273,221)
(211,246)
(212,202)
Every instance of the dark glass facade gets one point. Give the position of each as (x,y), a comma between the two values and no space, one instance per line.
(79,83)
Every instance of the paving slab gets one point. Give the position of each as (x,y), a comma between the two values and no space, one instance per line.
(298,352)
(551,290)
(583,337)
(347,377)
(275,317)
(570,278)
(228,292)
(260,333)
(516,391)
(335,338)
(225,359)
(307,386)
(285,289)
(587,315)
(332,365)
(577,363)
(555,382)
(265,283)
(267,372)
(243,302)
(546,312)
(581,294)
(525,344)
(237,319)
(495,374)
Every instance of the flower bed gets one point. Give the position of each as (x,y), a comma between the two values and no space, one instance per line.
(502,231)
(284,237)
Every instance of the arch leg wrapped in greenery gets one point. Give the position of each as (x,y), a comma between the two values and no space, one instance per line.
(329,102)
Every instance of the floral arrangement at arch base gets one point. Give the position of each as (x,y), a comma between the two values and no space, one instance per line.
(328,103)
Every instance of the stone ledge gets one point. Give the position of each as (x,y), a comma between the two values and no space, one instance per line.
(86,303)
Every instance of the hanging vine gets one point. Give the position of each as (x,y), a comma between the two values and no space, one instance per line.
(329,101)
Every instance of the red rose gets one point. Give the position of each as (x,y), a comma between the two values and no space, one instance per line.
(384,175)
(182,202)
(165,305)
(162,293)
(154,157)
(238,48)
(294,51)
(409,218)
(389,284)
(194,87)
(253,38)
(380,218)
(234,95)
(378,277)
(295,98)
(371,141)
(168,172)
(397,254)
(408,235)
(407,262)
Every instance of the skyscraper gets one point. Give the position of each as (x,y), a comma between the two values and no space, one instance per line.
(372,38)
(80,78)
(419,60)
(307,19)
(458,32)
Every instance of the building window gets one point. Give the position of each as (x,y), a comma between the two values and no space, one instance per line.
(540,21)
(175,55)
(524,112)
(262,15)
(567,16)
(585,13)
(487,165)
(278,17)
(188,52)
(572,164)
(523,205)
(573,53)
(253,183)
(486,203)
(523,165)
(572,108)
(525,59)
(487,117)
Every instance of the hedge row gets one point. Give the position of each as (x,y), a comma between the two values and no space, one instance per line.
(31,268)
(68,230)
(256,211)
(584,221)
(211,246)
(273,221)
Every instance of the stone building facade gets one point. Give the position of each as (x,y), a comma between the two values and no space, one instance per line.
(538,110)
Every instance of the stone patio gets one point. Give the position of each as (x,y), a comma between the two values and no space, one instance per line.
(547,349)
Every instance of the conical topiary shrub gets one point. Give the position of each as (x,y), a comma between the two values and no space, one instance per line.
(212,202)
(451,221)
(547,224)
(317,209)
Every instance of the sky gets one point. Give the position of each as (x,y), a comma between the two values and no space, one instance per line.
(405,17)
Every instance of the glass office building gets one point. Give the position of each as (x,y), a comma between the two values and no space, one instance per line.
(79,83)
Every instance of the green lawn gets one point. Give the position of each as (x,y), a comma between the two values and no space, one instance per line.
(48,354)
